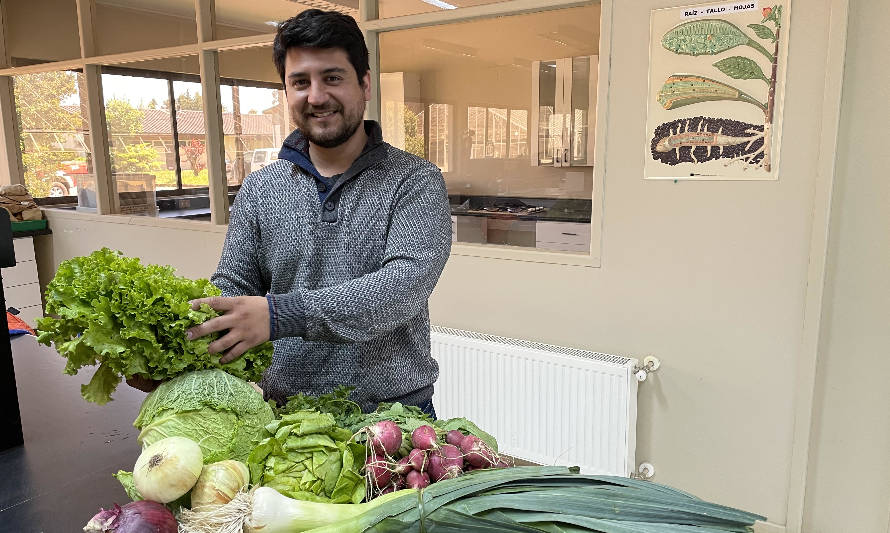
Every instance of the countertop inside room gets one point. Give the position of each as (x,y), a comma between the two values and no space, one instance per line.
(522,208)
(62,475)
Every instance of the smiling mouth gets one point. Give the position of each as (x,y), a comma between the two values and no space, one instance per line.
(321,114)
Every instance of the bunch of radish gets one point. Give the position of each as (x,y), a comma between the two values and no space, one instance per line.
(428,461)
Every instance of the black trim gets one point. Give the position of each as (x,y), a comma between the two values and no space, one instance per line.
(175,129)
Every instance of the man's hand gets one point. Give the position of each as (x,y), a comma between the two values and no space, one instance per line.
(246,318)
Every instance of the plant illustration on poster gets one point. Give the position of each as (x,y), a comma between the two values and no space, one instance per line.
(716,85)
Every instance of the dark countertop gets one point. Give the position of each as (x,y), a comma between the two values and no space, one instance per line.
(61,476)
(553,209)
(546,215)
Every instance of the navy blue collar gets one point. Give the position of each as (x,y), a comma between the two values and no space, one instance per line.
(296,147)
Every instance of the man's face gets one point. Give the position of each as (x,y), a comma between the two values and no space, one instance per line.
(325,97)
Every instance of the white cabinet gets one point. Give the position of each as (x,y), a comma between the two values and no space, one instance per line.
(563,236)
(563,118)
(469,229)
(20,285)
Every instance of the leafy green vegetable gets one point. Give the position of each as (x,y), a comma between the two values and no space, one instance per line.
(346,412)
(126,480)
(131,319)
(308,457)
(225,415)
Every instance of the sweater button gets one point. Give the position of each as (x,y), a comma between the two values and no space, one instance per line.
(329,205)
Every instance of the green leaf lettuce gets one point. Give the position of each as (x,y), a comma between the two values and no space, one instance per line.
(131,319)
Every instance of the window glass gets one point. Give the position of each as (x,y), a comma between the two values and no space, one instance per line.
(39,31)
(191,135)
(237,18)
(54,133)
(140,138)
(130,25)
(157,146)
(477,94)
(255,116)
(398,8)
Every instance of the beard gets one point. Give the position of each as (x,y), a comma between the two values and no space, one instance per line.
(335,136)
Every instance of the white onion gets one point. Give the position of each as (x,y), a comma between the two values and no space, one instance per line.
(168,469)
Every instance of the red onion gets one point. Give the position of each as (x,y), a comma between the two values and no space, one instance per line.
(135,517)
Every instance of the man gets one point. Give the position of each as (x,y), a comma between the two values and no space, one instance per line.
(333,250)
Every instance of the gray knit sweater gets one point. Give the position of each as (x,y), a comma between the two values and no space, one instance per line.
(348,281)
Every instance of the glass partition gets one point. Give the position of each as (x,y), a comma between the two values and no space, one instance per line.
(471,92)
(398,8)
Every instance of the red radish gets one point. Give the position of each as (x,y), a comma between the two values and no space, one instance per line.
(386,490)
(502,463)
(451,455)
(452,460)
(424,438)
(417,480)
(379,470)
(435,468)
(418,459)
(477,452)
(454,437)
(403,466)
(385,437)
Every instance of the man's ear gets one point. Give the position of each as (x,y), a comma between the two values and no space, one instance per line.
(366,85)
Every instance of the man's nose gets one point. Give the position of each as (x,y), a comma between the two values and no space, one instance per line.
(317,94)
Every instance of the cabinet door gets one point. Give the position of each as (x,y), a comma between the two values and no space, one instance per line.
(583,109)
(564,111)
(544,112)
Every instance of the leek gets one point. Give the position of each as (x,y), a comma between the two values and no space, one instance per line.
(520,499)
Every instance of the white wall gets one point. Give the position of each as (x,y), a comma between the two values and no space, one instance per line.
(708,276)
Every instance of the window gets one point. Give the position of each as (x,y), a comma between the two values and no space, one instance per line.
(53,129)
(487,127)
(476,131)
(39,32)
(518,133)
(255,115)
(440,134)
(191,134)
(139,118)
(398,8)
(128,26)
(480,138)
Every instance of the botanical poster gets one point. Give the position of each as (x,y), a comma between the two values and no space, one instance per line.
(716,85)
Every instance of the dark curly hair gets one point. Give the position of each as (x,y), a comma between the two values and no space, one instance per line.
(315,28)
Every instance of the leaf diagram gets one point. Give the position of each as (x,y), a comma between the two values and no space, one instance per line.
(699,139)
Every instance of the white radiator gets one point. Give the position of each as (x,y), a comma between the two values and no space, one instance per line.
(545,404)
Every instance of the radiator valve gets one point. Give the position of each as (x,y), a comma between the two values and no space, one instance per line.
(650,364)
(645,472)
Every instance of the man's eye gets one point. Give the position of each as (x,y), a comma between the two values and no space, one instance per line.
(334,79)
(300,83)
